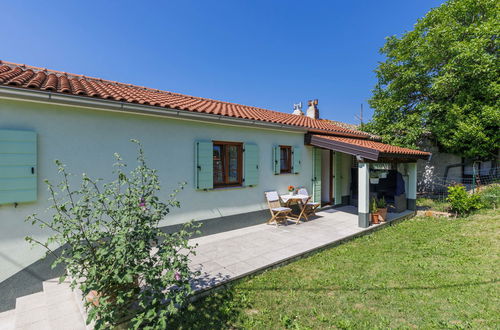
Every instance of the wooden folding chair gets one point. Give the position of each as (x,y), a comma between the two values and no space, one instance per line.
(310,207)
(278,212)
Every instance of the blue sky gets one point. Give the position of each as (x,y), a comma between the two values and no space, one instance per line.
(269,54)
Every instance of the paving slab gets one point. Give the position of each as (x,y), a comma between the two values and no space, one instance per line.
(236,253)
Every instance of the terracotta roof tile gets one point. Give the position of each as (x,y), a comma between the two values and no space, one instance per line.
(379,146)
(23,76)
(354,127)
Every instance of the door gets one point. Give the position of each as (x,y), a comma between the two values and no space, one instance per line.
(316,175)
(338,178)
(326,177)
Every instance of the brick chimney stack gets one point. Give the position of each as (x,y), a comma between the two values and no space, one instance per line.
(312,110)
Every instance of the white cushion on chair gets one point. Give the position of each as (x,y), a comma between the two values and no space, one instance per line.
(272,196)
(281,209)
(314,204)
(303,191)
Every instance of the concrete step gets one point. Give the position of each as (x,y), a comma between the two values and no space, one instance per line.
(79,300)
(55,308)
(31,312)
(7,320)
(63,312)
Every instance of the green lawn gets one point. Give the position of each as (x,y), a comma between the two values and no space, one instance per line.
(421,273)
(434,204)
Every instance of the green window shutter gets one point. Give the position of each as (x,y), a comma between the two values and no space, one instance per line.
(251,164)
(338,178)
(276,160)
(297,161)
(18,172)
(204,161)
(316,179)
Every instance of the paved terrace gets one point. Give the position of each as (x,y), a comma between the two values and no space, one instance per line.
(233,254)
(221,258)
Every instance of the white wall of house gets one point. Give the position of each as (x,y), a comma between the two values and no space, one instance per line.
(85,141)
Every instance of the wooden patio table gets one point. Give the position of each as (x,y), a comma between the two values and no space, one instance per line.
(301,201)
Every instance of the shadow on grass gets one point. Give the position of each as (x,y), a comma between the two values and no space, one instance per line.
(381,288)
(223,308)
(218,310)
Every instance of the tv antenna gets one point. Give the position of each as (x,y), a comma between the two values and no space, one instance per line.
(360,116)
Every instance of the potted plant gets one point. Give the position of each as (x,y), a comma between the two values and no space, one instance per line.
(374,212)
(291,190)
(374,178)
(382,209)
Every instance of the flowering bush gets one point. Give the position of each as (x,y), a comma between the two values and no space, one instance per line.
(112,246)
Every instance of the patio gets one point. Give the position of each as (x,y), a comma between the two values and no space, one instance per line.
(221,258)
(230,255)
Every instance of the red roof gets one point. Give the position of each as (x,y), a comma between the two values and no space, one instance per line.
(23,76)
(382,148)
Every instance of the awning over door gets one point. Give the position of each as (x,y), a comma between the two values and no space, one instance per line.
(367,149)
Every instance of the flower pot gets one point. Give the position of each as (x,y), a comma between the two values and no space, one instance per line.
(382,214)
(93,296)
(374,180)
(375,220)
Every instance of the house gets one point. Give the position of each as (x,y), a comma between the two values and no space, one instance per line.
(229,154)
(436,173)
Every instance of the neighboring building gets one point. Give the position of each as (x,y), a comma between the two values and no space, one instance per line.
(229,154)
(444,169)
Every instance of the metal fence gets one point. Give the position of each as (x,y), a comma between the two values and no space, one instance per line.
(433,186)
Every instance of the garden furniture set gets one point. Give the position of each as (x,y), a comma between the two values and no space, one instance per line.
(281,206)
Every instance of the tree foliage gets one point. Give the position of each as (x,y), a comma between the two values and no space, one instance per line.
(114,249)
(442,80)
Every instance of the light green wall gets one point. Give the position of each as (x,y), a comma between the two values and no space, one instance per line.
(85,141)
(346,174)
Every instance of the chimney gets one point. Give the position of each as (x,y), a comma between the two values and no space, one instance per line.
(312,110)
(297,109)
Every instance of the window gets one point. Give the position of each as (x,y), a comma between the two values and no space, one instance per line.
(285,159)
(227,158)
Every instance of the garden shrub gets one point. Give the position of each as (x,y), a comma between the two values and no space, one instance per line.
(490,195)
(461,202)
(112,245)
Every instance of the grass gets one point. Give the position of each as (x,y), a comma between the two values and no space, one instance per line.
(421,273)
(489,196)
(435,204)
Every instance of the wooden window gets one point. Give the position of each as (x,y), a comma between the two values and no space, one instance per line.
(228,158)
(285,159)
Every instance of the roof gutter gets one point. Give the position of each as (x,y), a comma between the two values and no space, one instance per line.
(48,97)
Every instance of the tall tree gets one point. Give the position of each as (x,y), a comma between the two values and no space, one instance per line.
(442,80)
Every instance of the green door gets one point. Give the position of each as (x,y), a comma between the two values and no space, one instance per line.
(316,175)
(338,178)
